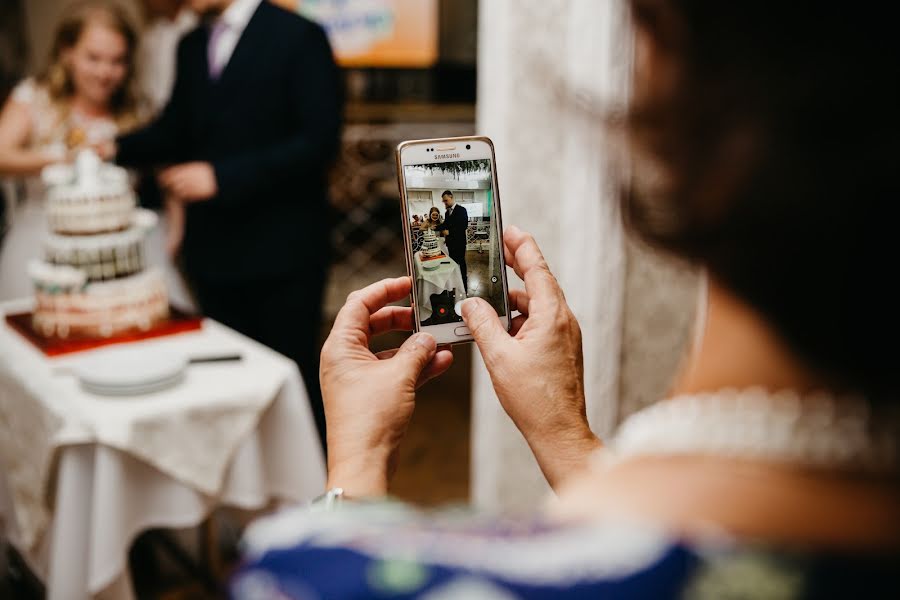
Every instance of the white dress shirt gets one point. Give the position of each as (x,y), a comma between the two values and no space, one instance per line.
(235,19)
(156,57)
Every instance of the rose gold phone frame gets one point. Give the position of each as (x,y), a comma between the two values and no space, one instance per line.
(404,217)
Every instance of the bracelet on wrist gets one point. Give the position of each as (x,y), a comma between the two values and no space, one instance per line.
(330,501)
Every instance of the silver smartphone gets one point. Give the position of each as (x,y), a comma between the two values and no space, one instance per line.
(452,231)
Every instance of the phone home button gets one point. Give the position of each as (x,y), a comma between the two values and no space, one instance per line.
(462,331)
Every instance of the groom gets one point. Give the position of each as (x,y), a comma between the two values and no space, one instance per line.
(250,130)
(456,222)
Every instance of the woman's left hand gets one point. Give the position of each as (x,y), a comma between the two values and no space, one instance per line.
(369,398)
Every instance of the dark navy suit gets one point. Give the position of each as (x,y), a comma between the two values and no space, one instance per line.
(456,224)
(256,254)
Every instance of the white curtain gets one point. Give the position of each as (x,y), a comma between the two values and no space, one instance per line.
(547,71)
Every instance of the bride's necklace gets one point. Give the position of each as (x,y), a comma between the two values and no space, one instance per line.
(816,430)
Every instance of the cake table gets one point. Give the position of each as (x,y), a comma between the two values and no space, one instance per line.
(82,475)
(446,276)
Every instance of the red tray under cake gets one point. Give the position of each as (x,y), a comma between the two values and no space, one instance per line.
(178,322)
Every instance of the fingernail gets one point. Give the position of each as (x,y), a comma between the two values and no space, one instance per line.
(426,340)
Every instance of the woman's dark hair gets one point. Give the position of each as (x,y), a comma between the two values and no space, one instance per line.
(766,150)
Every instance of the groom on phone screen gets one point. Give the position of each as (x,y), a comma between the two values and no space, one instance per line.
(456,222)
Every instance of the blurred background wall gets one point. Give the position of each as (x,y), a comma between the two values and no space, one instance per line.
(41,17)
(13,45)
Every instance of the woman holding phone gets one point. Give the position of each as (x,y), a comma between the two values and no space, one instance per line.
(772,467)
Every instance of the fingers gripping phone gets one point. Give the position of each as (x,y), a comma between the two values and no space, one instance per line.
(452,231)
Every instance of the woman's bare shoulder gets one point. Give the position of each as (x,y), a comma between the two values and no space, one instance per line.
(31,92)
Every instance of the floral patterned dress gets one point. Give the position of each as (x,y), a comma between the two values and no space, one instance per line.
(392,551)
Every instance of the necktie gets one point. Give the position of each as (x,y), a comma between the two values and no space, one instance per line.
(215,64)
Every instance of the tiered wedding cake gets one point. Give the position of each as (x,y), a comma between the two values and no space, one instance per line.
(92,281)
(430,246)
(431,251)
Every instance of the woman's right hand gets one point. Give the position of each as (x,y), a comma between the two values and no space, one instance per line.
(105,149)
(369,398)
(537,367)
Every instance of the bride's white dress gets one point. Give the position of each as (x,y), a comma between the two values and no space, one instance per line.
(51,129)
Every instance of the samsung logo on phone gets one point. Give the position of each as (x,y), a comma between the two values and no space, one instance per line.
(440,156)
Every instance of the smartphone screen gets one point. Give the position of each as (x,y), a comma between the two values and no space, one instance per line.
(451,219)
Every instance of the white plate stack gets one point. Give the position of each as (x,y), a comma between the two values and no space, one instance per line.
(130,371)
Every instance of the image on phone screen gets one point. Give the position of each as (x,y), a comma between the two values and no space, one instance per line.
(456,246)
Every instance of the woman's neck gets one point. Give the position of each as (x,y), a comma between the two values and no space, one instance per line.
(739,349)
(89,108)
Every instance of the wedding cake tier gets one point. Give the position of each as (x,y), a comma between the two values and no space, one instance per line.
(103,256)
(430,246)
(92,280)
(91,197)
(66,308)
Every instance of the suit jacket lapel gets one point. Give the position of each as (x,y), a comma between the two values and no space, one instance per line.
(246,52)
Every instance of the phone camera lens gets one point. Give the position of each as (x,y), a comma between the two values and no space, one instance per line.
(468,146)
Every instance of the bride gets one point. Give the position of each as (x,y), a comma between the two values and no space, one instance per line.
(83,100)
(435,223)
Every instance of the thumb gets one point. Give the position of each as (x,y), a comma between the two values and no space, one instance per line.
(415,354)
(482,320)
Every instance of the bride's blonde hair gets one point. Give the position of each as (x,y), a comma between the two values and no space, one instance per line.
(124,103)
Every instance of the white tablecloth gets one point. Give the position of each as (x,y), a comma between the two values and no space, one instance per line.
(445,277)
(84,474)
